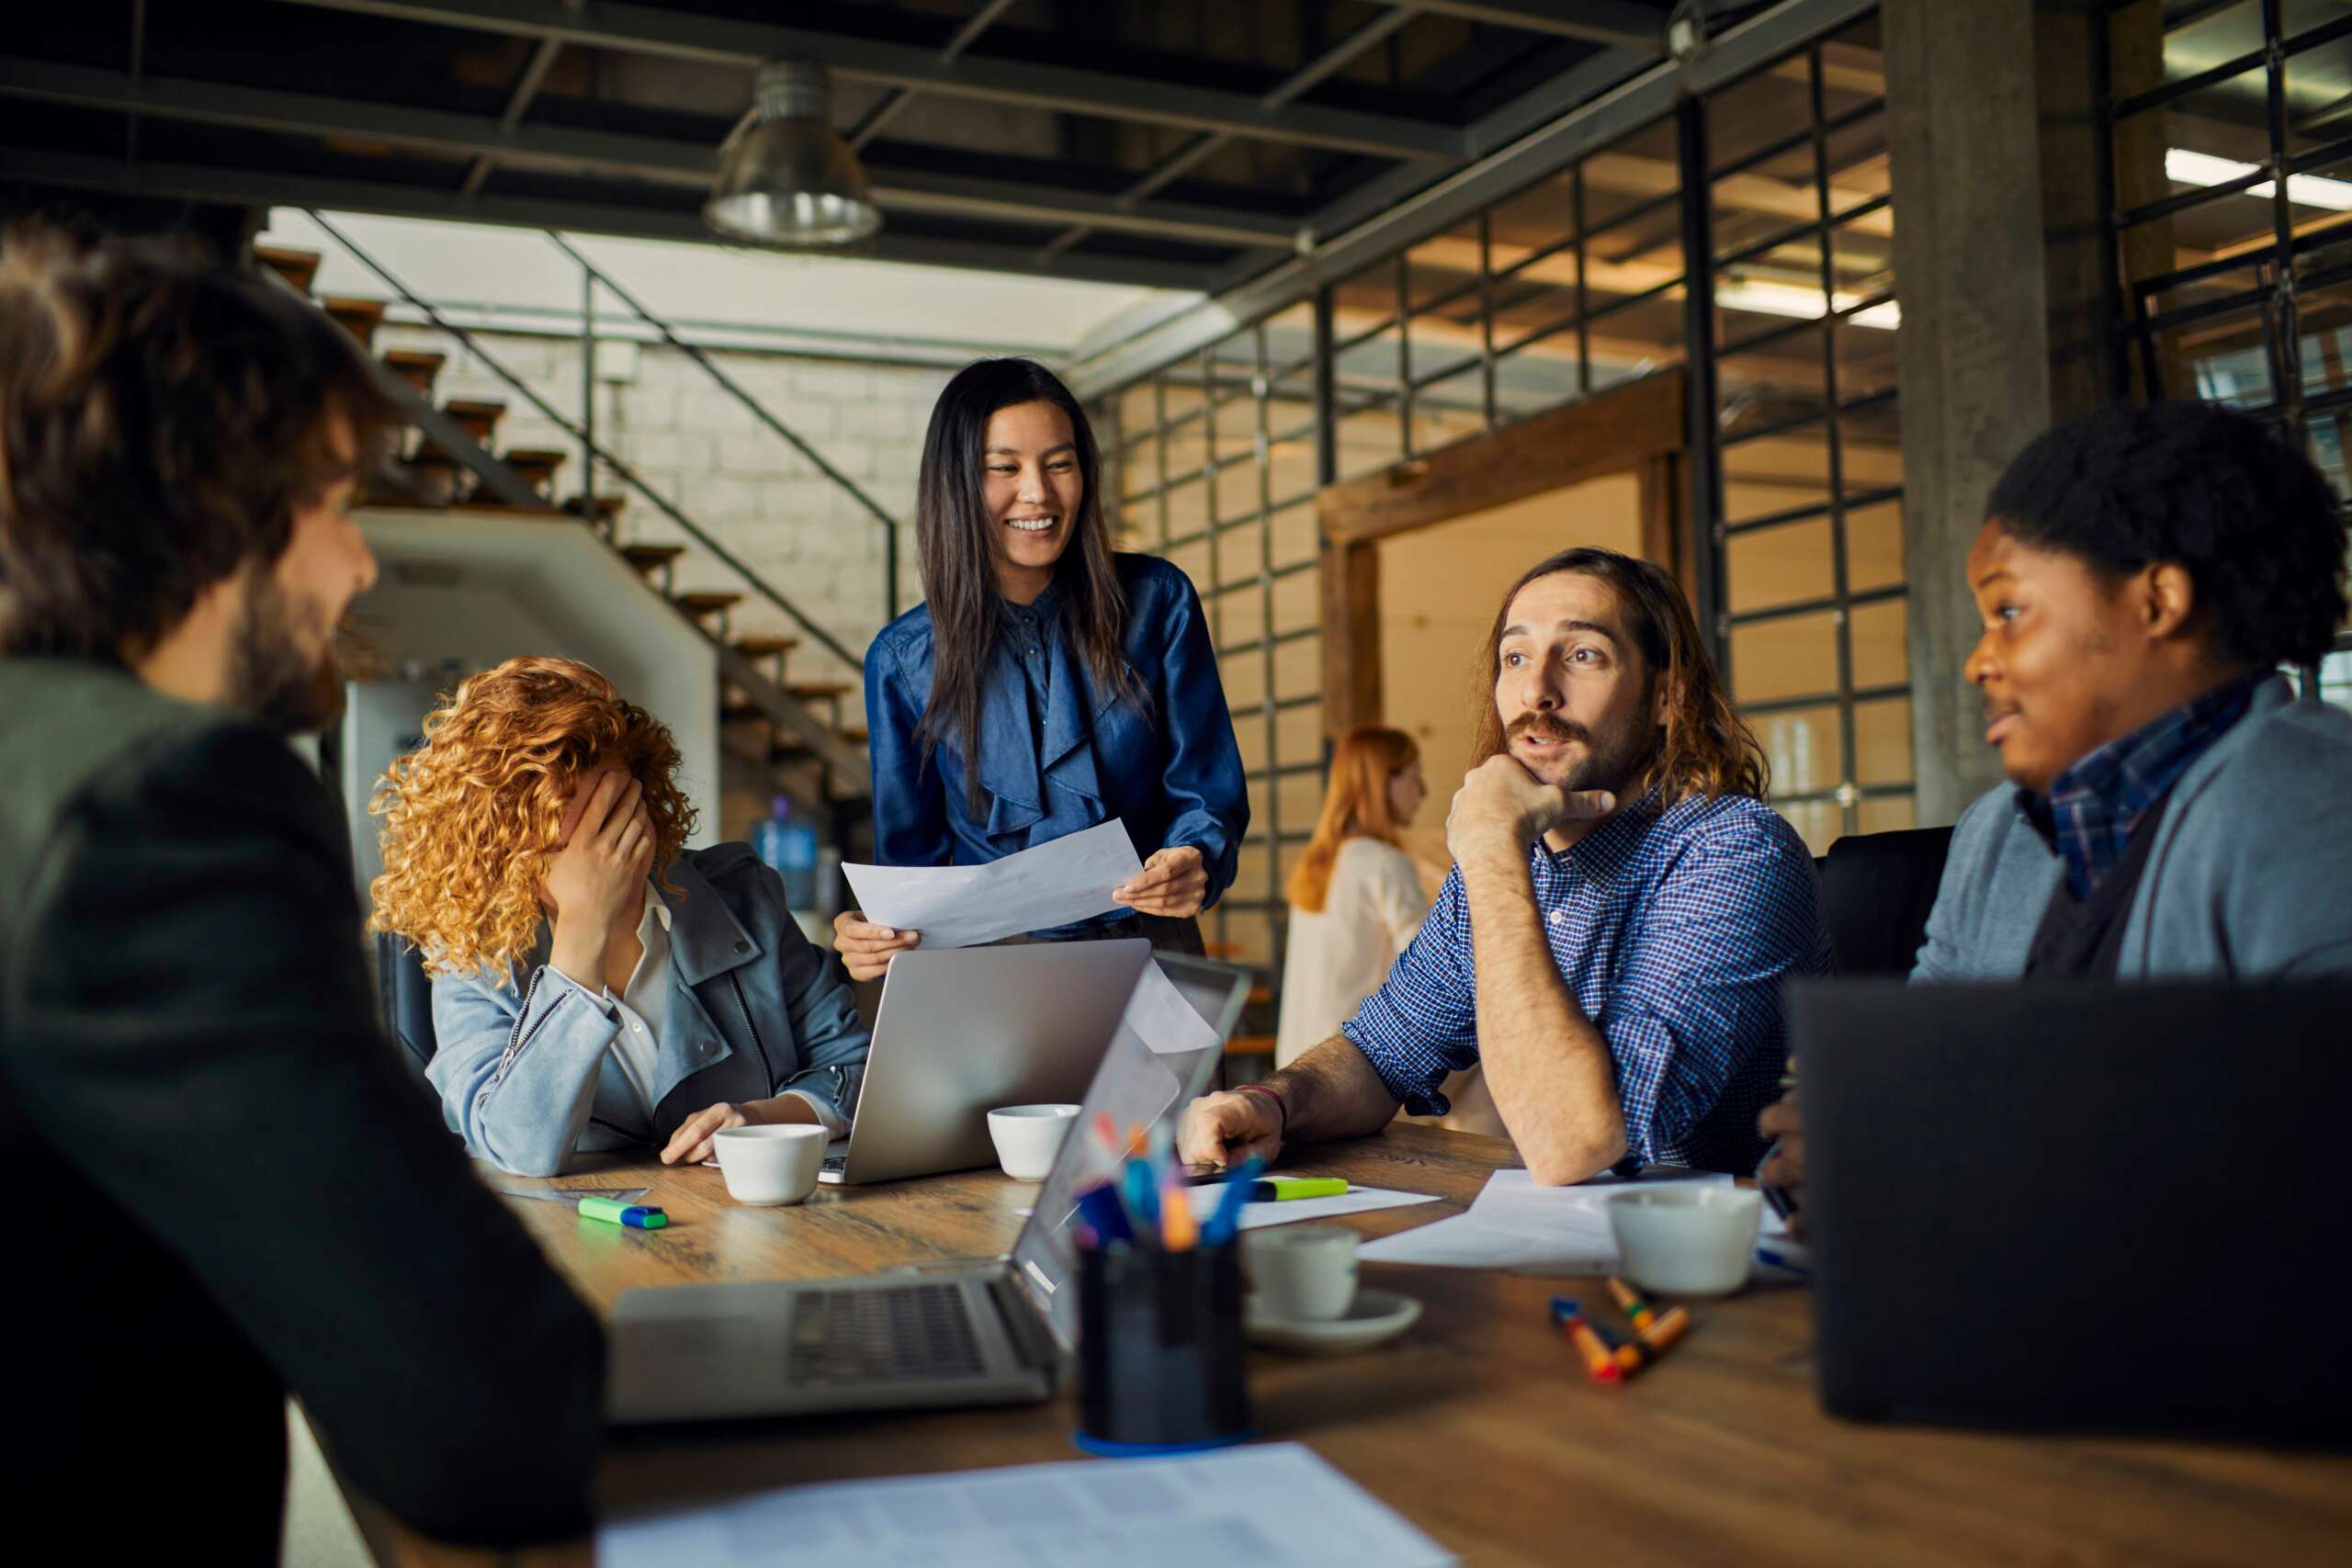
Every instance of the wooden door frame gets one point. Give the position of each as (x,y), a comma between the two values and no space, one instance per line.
(1636,428)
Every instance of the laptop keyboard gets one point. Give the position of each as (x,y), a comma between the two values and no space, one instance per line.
(836,1164)
(916,1332)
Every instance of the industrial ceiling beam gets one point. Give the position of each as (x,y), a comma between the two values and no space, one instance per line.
(266,189)
(517,105)
(1384,218)
(898,98)
(659,160)
(1619,22)
(654,30)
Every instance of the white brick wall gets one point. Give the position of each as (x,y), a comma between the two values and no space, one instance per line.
(693,443)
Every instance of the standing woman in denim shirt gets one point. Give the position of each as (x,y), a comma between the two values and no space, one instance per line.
(1046,684)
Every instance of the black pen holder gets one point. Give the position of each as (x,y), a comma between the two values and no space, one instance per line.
(1161,1363)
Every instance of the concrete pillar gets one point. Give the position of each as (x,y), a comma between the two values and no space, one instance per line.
(2000,259)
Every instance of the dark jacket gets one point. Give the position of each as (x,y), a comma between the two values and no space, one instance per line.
(525,1069)
(1169,768)
(228,1186)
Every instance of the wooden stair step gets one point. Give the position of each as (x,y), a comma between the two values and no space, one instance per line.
(793,746)
(477,417)
(536,465)
(815,691)
(706,602)
(358,317)
(650,559)
(417,366)
(606,505)
(736,713)
(296,268)
(764,647)
(1251,1045)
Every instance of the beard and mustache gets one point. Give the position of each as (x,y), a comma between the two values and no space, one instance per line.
(273,676)
(1611,761)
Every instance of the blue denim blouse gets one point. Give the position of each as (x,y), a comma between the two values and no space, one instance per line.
(1057,755)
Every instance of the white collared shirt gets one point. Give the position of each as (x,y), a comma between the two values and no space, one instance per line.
(642,1010)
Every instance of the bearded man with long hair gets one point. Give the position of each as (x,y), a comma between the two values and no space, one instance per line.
(1621,911)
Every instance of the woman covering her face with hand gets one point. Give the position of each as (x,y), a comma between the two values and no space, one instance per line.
(596,984)
(1046,684)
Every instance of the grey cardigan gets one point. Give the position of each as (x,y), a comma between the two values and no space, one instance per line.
(2250,876)
(525,1070)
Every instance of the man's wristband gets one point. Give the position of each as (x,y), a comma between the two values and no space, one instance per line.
(1275,1095)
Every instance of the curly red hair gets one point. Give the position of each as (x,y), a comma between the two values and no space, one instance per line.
(472,817)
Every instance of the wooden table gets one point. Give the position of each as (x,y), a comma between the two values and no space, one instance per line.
(1479,1426)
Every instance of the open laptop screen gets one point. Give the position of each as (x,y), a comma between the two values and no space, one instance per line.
(1134,1083)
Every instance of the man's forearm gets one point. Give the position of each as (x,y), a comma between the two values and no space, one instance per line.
(1332,1092)
(1547,1063)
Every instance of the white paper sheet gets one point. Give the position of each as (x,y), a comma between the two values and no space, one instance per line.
(1163,1019)
(1356,1200)
(964,906)
(1276,1506)
(1514,1224)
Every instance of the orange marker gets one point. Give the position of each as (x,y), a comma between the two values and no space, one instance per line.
(1630,1300)
(1652,1339)
(1178,1229)
(1597,1359)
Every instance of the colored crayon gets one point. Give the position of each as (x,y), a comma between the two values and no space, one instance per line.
(1631,1302)
(1597,1359)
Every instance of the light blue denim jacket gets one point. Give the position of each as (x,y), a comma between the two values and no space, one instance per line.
(526,1071)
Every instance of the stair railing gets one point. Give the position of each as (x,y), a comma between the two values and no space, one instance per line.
(588,444)
(592,274)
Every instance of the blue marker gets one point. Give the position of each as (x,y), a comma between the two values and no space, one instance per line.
(1238,1184)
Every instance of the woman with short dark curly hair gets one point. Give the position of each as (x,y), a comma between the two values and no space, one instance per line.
(596,983)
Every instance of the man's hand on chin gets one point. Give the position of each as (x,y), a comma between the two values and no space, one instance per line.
(1502,807)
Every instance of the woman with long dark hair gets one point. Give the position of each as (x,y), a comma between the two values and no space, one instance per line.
(1046,684)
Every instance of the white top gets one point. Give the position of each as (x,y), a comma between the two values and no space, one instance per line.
(642,1010)
(1339,956)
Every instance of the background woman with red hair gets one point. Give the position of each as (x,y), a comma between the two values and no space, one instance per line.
(596,984)
(1355,899)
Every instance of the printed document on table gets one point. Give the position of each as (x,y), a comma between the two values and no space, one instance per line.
(1272,1506)
(1257,1216)
(964,906)
(1514,1224)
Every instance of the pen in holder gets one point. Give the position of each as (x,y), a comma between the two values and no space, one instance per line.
(1161,1363)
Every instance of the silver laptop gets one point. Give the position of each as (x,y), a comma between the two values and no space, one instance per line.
(960,1032)
(987,1331)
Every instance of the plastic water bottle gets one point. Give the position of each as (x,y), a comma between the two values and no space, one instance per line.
(789,846)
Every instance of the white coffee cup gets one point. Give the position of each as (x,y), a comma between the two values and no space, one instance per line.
(1028,1137)
(1302,1271)
(1687,1241)
(773,1162)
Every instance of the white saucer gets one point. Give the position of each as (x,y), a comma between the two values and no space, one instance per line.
(1373,1316)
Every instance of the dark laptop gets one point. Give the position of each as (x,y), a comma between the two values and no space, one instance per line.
(2073,1206)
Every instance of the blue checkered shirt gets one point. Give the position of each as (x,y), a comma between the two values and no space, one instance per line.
(2095,806)
(1673,930)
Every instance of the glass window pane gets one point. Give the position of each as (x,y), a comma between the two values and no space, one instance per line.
(1371,437)
(1889,813)
(1237,425)
(1298,601)
(1298,668)
(1240,552)
(1819,823)
(1785,565)
(1138,466)
(1236,493)
(1245,681)
(1758,110)
(1187,509)
(1298,796)
(1883,741)
(1633,173)
(1539,376)
(1773,474)
(1875,546)
(1803,747)
(1298,731)
(1445,412)
(1296,536)
(1442,263)
(1537,219)
(1881,650)
(1240,611)
(1784,658)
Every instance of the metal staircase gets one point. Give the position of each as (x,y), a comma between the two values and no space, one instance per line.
(453,464)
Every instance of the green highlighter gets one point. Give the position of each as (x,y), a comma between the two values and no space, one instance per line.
(636,1216)
(1281,1189)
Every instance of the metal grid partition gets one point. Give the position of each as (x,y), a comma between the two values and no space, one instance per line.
(1218,460)
(1808,486)
(2232,174)
(1755,224)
